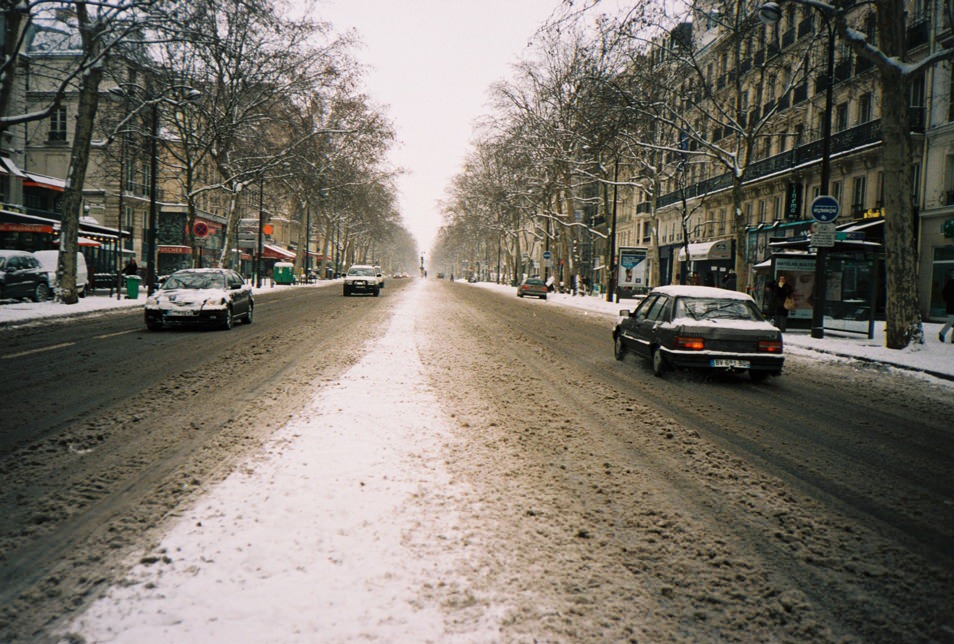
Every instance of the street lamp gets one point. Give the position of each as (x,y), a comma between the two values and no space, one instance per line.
(770,13)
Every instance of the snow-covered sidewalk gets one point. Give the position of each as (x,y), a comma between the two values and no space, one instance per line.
(255,560)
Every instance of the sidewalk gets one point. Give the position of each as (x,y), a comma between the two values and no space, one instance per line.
(932,357)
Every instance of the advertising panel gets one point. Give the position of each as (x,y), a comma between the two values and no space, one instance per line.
(632,277)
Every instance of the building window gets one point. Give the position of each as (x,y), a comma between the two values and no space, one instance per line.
(841,117)
(58,124)
(864,108)
(858,195)
(836,190)
(761,211)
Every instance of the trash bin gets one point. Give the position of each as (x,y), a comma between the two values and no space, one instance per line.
(283,273)
(132,287)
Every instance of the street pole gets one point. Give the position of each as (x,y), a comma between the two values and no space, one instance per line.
(153,203)
(818,304)
(614,265)
(307,240)
(261,223)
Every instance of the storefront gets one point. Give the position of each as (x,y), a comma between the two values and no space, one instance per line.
(708,263)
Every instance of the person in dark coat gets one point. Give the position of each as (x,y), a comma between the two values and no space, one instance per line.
(781,291)
(948,296)
(131,268)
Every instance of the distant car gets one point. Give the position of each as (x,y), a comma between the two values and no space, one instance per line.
(22,275)
(362,278)
(533,287)
(700,327)
(50,259)
(200,296)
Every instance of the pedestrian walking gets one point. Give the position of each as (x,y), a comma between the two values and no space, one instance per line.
(948,296)
(782,302)
(131,268)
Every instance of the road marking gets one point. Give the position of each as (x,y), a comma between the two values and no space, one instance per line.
(113,335)
(40,350)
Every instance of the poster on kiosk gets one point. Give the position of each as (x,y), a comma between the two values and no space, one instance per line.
(632,279)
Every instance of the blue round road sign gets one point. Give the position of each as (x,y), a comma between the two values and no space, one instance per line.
(825,208)
(546,254)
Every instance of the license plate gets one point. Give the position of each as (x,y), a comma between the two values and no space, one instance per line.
(729,363)
(181,314)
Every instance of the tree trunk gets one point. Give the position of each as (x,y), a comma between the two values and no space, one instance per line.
(73,195)
(902,308)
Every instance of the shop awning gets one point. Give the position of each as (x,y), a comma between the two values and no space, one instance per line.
(707,251)
(88,243)
(43,181)
(276,252)
(7,166)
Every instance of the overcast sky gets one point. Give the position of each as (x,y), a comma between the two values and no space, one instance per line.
(431,62)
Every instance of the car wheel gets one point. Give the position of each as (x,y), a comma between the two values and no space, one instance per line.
(659,363)
(543,297)
(153,326)
(377,291)
(619,348)
(248,316)
(228,322)
(346,292)
(41,292)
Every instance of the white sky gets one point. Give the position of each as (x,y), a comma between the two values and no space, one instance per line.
(432,62)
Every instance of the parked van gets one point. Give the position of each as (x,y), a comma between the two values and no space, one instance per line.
(49,260)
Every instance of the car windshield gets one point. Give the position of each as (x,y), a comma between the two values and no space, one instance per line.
(365,271)
(534,282)
(194,281)
(705,308)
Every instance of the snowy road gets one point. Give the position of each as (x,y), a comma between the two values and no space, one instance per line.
(487,472)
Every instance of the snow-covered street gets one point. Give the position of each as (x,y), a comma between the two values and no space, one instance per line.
(482,470)
(326,536)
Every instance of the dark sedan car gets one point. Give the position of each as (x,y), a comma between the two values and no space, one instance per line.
(533,287)
(700,327)
(22,275)
(200,296)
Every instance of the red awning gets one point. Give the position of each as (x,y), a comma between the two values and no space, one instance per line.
(277,252)
(175,250)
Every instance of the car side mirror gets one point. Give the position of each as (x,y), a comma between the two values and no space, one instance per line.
(625,313)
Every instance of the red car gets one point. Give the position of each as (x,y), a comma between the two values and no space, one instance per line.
(534,287)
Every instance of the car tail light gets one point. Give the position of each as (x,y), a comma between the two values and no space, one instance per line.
(691,344)
(770,346)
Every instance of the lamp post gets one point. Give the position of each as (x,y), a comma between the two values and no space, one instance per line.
(153,200)
(261,225)
(770,13)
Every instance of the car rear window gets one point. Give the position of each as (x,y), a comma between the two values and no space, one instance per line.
(703,308)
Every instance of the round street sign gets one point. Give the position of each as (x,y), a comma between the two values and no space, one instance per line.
(546,254)
(825,208)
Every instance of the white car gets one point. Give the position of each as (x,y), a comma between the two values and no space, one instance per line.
(200,296)
(362,278)
(49,259)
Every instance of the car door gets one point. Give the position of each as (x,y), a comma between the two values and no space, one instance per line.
(19,279)
(647,331)
(629,326)
(238,293)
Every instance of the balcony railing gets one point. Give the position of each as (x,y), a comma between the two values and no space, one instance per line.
(864,134)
